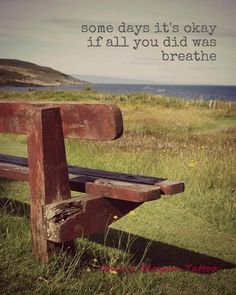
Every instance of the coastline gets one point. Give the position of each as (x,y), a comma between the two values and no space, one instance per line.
(196,92)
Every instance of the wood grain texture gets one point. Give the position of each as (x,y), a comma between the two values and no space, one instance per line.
(56,218)
(122,190)
(14,171)
(100,187)
(48,175)
(83,216)
(167,187)
(91,121)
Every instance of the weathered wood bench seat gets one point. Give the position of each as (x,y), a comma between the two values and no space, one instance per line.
(56,218)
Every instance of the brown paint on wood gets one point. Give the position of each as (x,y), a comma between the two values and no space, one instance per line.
(168,187)
(91,121)
(100,187)
(48,174)
(56,219)
(123,190)
(83,216)
(14,172)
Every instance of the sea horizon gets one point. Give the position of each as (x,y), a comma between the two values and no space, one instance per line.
(205,92)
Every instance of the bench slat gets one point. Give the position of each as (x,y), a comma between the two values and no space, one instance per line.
(100,187)
(167,187)
(14,171)
(121,190)
(91,121)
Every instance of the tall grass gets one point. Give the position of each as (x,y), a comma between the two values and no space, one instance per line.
(171,138)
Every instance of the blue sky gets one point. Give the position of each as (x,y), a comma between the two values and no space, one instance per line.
(48,32)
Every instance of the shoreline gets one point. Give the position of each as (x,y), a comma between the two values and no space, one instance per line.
(186,92)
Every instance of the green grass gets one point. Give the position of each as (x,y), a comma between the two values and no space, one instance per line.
(171,138)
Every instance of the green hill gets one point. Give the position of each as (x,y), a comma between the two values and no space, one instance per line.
(15,72)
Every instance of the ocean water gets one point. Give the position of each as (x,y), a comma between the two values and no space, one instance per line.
(184,91)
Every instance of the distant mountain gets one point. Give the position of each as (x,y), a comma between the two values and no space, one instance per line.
(112,80)
(15,72)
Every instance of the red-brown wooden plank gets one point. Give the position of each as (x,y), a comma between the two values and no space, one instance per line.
(78,217)
(48,175)
(91,121)
(14,172)
(168,187)
(122,190)
(100,187)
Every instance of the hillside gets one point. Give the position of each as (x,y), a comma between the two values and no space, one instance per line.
(21,73)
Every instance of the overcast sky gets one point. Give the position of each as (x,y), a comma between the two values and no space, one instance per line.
(48,32)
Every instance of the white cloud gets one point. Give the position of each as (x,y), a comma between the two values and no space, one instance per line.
(49,32)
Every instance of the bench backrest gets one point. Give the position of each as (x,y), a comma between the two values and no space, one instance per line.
(79,120)
(46,125)
(56,218)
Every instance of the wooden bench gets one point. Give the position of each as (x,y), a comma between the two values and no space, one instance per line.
(56,218)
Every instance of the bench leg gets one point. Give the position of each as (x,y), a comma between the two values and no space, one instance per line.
(48,176)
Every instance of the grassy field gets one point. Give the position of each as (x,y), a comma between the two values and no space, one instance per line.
(165,241)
